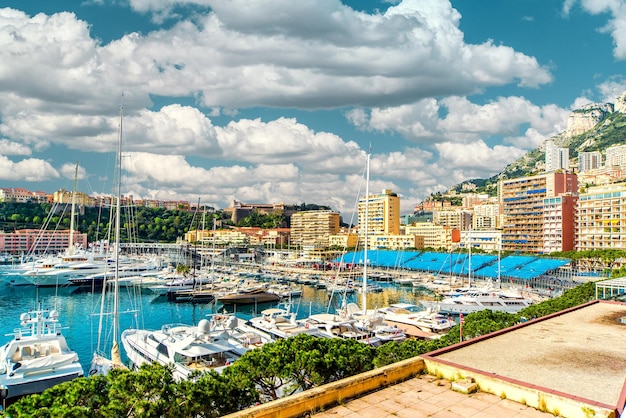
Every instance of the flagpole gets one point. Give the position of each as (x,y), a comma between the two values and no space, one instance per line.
(461,321)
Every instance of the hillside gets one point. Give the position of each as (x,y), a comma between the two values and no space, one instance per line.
(593,127)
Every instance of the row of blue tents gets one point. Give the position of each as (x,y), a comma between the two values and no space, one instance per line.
(459,264)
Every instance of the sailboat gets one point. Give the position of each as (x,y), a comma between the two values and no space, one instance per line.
(100,363)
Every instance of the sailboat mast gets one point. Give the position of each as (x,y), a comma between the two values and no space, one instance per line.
(118,205)
(365,232)
(73,212)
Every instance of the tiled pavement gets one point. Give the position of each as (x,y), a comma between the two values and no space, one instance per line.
(427,396)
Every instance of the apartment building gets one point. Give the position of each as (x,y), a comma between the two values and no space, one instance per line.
(453,218)
(383,215)
(616,156)
(434,236)
(589,160)
(523,207)
(394,242)
(345,240)
(556,158)
(21,195)
(35,241)
(486,216)
(313,228)
(601,218)
(487,240)
(558,221)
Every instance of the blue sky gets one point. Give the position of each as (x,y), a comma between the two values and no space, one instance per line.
(278,101)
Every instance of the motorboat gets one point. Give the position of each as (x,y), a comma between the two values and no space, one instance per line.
(247,296)
(372,322)
(38,356)
(281,322)
(187,348)
(425,319)
(478,300)
(336,326)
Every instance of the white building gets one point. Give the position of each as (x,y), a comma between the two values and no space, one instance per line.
(589,160)
(556,158)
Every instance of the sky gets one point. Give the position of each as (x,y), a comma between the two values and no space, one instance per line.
(269,101)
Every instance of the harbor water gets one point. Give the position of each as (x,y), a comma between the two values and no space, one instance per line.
(79,310)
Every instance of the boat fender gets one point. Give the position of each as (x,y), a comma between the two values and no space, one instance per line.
(306,325)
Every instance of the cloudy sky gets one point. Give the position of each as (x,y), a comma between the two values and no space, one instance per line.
(268,101)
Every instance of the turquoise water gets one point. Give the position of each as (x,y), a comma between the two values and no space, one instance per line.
(79,311)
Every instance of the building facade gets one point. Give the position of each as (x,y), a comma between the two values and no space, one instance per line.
(589,160)
(601,218)
(523,207)
(35,241)
(383,215)
(556,158)
(558,218)
(313,228)
(434,236)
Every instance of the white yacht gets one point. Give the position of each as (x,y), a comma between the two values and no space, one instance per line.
(336,326)
(188,348)
(281,323)
(478,300)
(427,320)
(38,356)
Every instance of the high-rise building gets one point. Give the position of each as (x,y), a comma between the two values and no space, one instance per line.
(589,160)
(556,158)
(616,156)
(601,218)
(313,228)
(523,206)
(558,219)
(383,214)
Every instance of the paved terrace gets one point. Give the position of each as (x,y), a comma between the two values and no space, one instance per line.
(428,396)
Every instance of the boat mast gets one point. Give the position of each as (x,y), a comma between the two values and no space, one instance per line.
(116,301)
(73,212)
(365,232)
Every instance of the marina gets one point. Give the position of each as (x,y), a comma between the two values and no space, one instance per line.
(80,308)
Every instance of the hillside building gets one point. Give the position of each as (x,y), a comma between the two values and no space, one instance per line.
(454,218)
(523,207)
(589,160)
(21,195)
(616,156)
(556,158)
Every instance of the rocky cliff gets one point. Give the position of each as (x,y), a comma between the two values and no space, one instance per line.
(584,119)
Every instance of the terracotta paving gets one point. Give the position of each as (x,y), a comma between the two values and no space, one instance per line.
(427,396)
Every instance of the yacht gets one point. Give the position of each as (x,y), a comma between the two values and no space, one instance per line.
(188,348)
(336,326)
(427,320)
(478,300)
(38,356)
(281,323)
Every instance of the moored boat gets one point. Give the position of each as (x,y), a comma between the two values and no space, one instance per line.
(38,356)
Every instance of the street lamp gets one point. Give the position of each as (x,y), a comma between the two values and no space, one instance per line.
(4,393)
